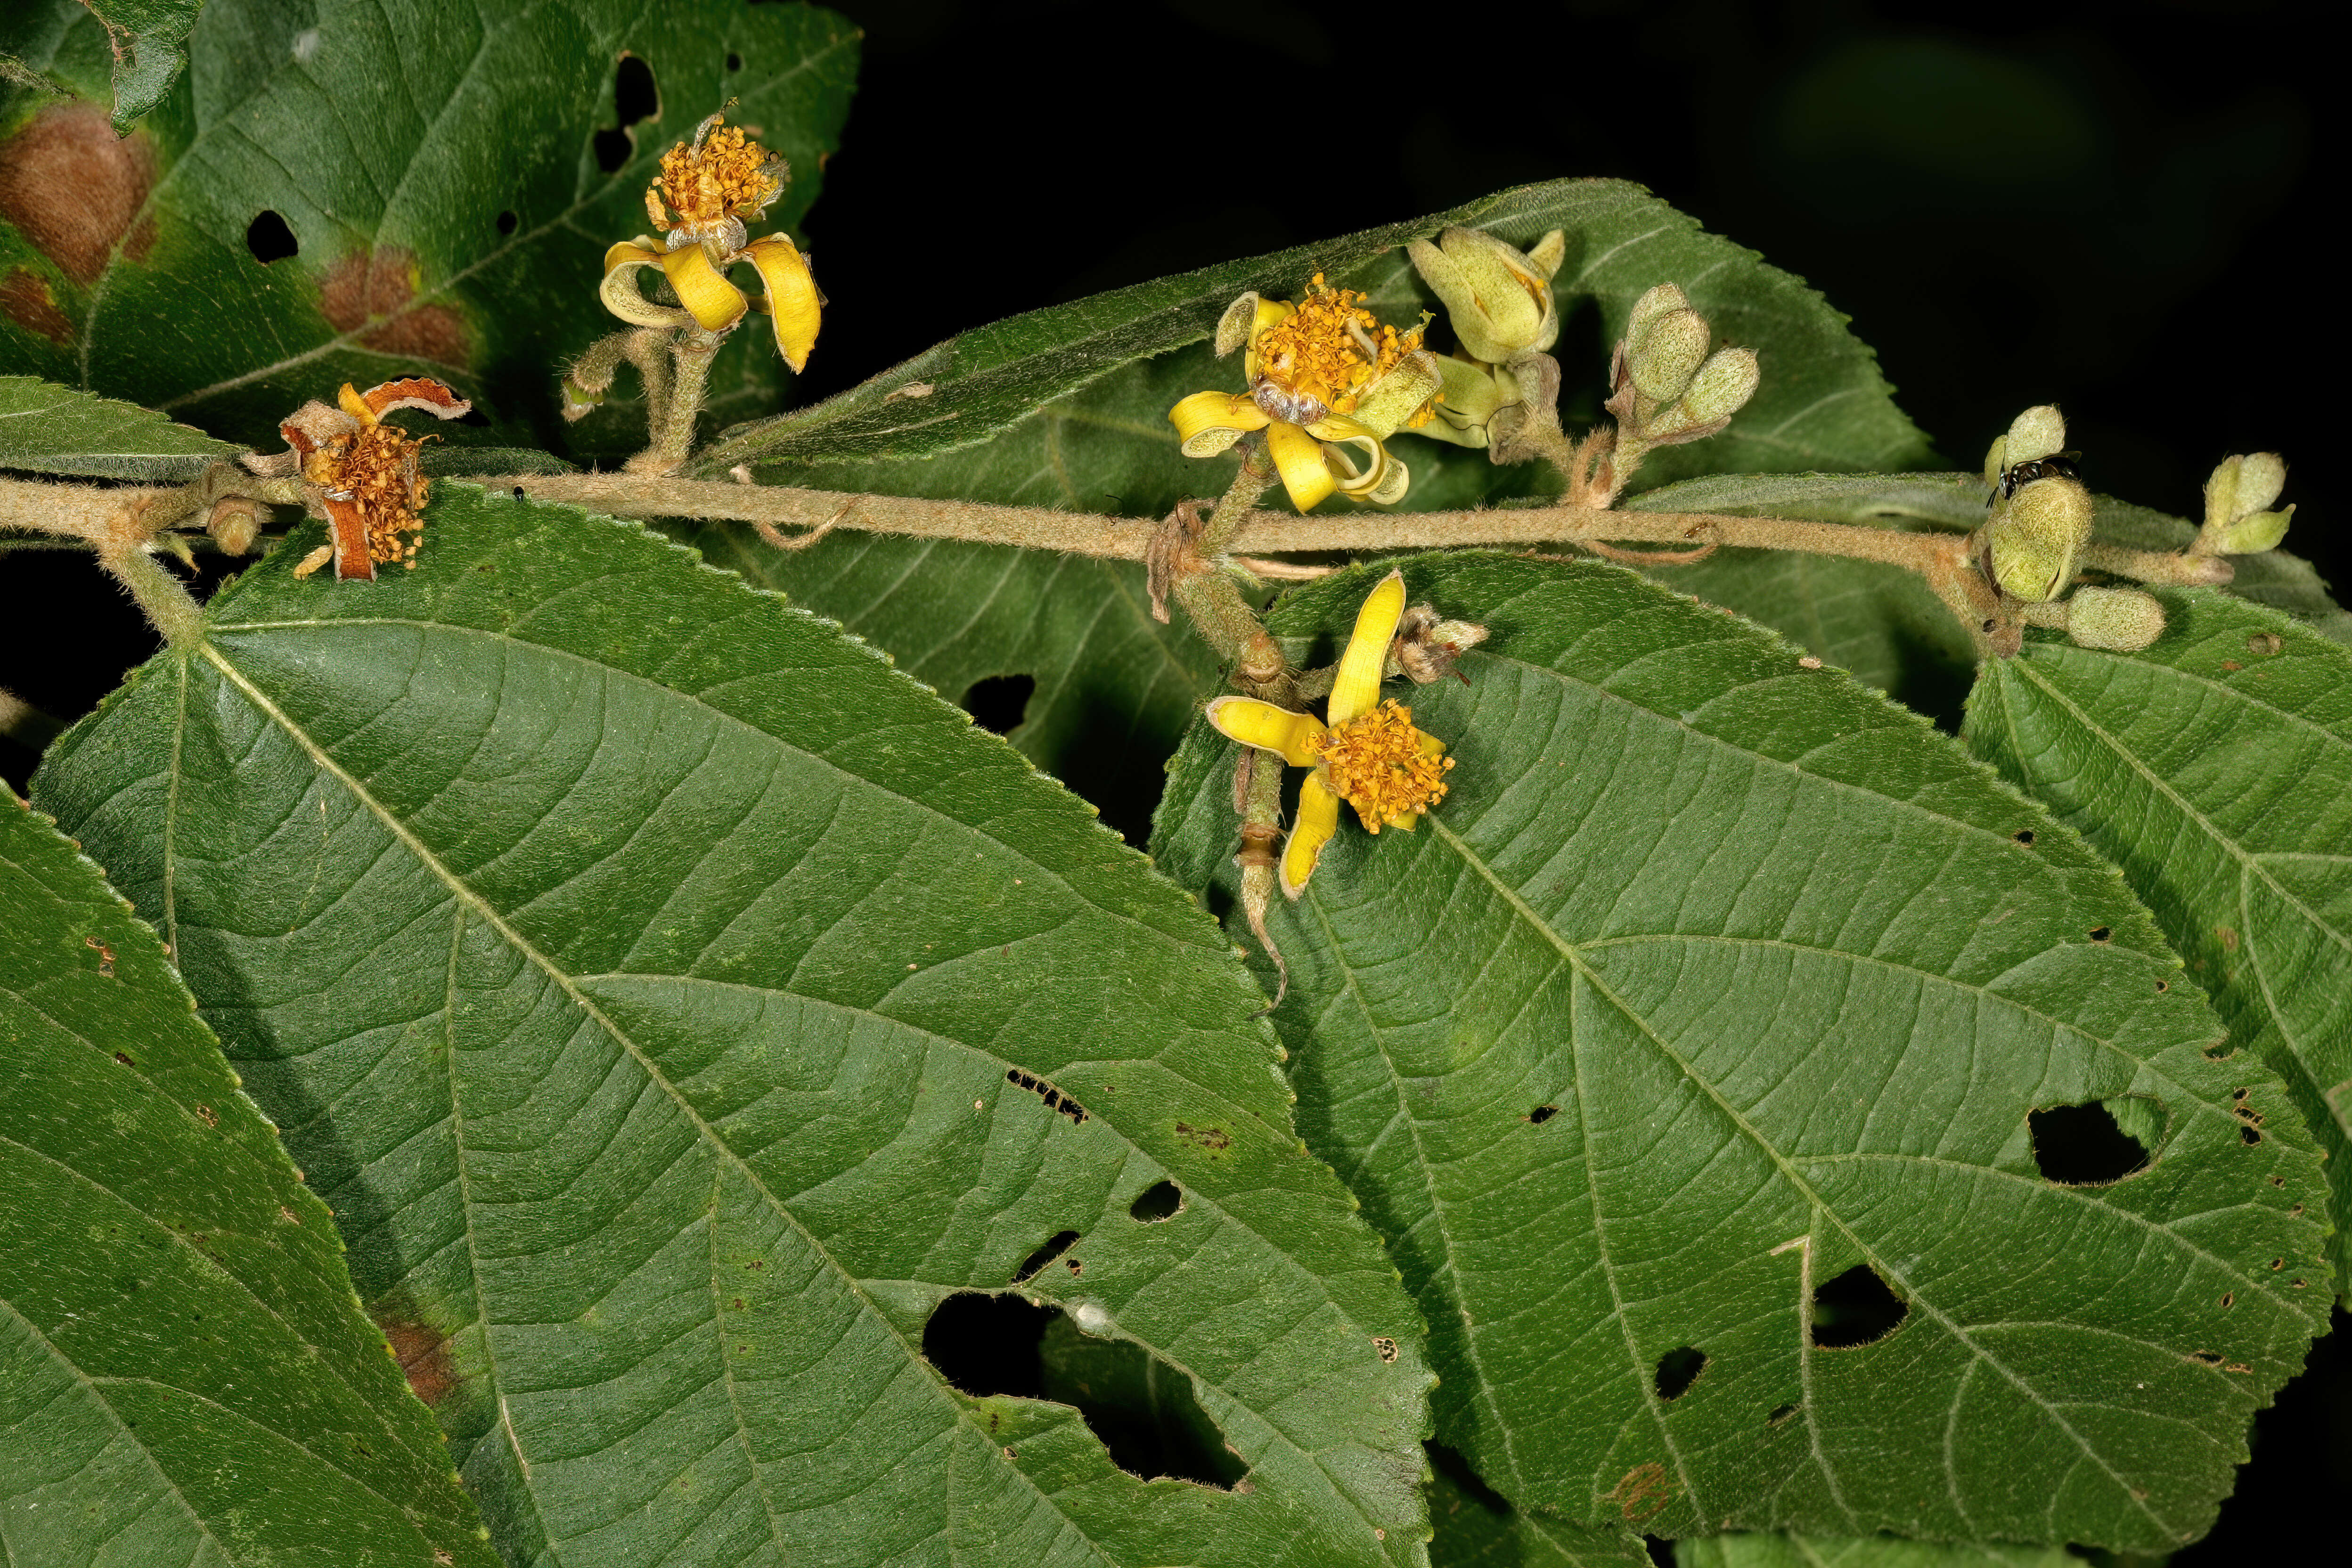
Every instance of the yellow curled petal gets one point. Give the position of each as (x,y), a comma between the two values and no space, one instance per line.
(1268,727)
(792,298)
(1357,688)
(1268,313)
(714,302)
(1298,459)
(629,252)
(621,297)
(1209,422)
(1319,819)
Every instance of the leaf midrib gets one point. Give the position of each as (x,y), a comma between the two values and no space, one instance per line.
(709,1135)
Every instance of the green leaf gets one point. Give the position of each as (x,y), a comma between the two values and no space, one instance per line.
(437,167)
(184,1374)
(679,1006)
(1476,1529)
(1705,1019)
(2216,769)
(147,38)
(1881,622)
(1866,1551)
(52,430)
(1067,406)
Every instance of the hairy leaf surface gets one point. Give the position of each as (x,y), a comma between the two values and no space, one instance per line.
(1068,407)
(1476,1529)
(52,430)
(679,1006)
(2216,769)
(1696,1039)
(447,214)
(1864,1551)
(185,1375)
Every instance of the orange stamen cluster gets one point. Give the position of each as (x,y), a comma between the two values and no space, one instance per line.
(723,176)
(377,467)
(1378,764)
(1313,351)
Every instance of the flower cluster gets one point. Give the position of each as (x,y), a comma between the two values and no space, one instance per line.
(1368,753)
(361,473)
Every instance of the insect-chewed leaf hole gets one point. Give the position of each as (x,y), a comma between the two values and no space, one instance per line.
(1160,1201)
(1139,1406)
(1677,1369)
(999,702)
(1054,1098)
(270,239)
(635,97)
(2089,1145)
(1057,1244)
(1857,1307)
(1779,1414)
(2101,933)
(1543,1113)
(2024,836)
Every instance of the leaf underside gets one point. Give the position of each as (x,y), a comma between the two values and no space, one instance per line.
(52,430)
(677,1005)
(185,1375)
(2216,769)
(1714,979)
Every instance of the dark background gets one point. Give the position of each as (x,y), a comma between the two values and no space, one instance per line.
(2115,210)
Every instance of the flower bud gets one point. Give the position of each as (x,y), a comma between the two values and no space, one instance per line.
(1646,310)
(2235,497)
(1467,406)
(2037,538)
(1426,649)
(2038,432)
(233,524)
(1722,388)
(2120,620)
(1497,296)
(1668,353)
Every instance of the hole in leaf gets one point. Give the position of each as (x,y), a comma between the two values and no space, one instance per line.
(1140,1408)
(2163,985)
(1054,1098)
(734,62)
(1661,1550)
(1780,1413)
(1156,1202)
(999,702)
(2024,836)
(507,221)
(2100,934)
(2249,1136)
(2084,1145)
(1855,1309)
(634,99)
(1059,1242)
(1677,1369)
(1543,1113)
(269,239)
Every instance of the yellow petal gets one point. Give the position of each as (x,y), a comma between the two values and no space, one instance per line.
(1269,312)
(714,302)
(1357,688)
(1298,459)
(1209,422)
(1268,727)
(629,251)
(621,296)
(1319,819)
(355,405)
(793,298)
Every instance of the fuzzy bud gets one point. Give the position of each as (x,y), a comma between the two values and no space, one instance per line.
(1668,356)
(234,523)
(1722,388)
(2236,522)
(2038,432)
(2037,538)
(2120,620)
(1497,298)
(1426,649)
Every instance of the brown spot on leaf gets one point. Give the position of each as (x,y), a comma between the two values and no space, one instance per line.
(374,294)
(1642,1491)
(1215,1139)
(105,956)
(211,1117)
(75,189)
(1384,1347)
(2229,938)
(26,299)
(424,1356)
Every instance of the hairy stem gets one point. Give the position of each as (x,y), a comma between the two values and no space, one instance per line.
(179,617)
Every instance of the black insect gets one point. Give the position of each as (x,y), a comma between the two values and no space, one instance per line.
(2017,476)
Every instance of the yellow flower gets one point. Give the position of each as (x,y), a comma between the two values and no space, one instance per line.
(1328,384)
(1369,754)
(706,191)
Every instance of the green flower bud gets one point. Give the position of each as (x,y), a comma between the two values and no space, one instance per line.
(1723,386)
(2038,432)
(1668,354)
(1385,406)
(2120,620)
(2254,533)
(1659,300)
(2236,495)
(2037,538)
(1996,462)
(1497,298)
